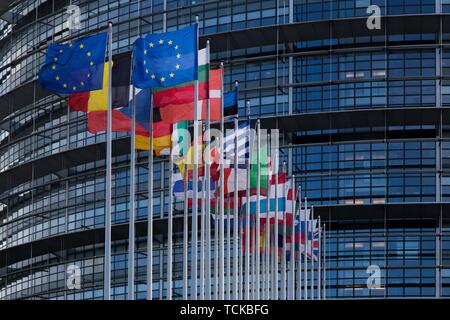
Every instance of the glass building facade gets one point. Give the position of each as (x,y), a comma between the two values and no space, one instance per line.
(365,126)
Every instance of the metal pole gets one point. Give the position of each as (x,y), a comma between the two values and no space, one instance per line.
(267,245)
(324,262)
(236,277)
(319,263)
(299,260)
(247,213)
(195,190)
(202,241)
(185,232)
(305,255)
(208,192)
(170,233)
(221,206)
(150,210)
(258,209)
(216,249)
(108,156)
(228,277)
(292,260)
(131,221)
(283,257)
(275,237)
(312,226)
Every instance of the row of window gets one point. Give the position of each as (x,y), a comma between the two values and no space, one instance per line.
(407,261)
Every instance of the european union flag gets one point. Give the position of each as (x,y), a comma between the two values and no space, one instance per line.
(75,67)
(167,59)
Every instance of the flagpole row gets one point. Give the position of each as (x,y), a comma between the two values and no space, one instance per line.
(108,157)
(194,226)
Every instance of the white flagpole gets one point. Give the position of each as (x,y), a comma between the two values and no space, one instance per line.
(283,257)
(195,189)
(267,246)
(202,242)
(299,259)
(305,256)
(240,296)
(208,192)
(236,277)
(292,260)
(313,225)
(228,278)
(170,233)
(275,237)
(221,205)
(228,256)
(319,263)
(150,210)
(108,156)
(258,210)
(311,253)
(216,249)
(247,213)
(324,262)
(185,232)
(131,221)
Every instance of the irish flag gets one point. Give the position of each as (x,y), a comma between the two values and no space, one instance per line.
(177,103)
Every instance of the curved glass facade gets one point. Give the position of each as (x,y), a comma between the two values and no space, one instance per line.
(366,133)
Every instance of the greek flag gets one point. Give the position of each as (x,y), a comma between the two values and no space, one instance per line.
(243,144)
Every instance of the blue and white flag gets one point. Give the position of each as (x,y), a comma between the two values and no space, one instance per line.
(243,144)
(178,187)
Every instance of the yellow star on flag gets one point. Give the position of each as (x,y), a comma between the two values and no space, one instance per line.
(172,75)
(81,46)
(161,41)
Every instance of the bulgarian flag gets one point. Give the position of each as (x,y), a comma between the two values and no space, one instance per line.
(177,103)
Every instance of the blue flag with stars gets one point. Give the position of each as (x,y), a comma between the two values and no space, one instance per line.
(75,67)
(166,59)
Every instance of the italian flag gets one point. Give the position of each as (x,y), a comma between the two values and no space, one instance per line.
(176,104)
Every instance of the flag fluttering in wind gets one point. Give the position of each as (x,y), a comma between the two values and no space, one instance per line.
(167,59)
(75,67)
(230,103)
(177,103)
